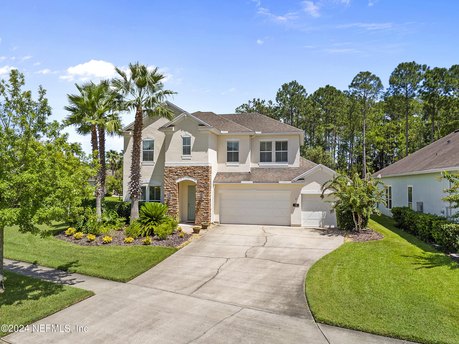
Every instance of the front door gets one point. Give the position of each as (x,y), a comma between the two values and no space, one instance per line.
(191,202)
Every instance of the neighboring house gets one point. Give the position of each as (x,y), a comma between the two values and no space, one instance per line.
(416,181)
(238,168)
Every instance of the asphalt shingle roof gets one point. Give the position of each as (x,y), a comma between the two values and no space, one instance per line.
(265,175)
(443,153)
(220,123)
(262,123)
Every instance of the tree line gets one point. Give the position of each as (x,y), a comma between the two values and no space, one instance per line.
(367,126)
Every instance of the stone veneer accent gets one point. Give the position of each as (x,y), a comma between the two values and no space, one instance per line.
(203,187)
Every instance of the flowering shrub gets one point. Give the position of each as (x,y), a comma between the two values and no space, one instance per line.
(107,239)
(90,237)
(78,235)
(147,241)
(128,240)
(70,231)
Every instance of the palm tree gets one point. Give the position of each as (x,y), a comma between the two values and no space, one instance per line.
(94,111)
(114,160)
(142,91)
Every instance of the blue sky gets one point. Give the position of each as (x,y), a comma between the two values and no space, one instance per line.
(218,54)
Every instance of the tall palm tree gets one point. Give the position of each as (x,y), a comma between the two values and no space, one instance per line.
(142,91)
(93,111)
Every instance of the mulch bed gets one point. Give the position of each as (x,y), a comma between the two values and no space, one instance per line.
(366,235)
(362,236)
(118,240)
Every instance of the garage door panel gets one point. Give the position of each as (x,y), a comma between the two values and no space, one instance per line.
(315,212)
(255,207)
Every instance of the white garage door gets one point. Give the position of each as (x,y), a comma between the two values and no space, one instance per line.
(255,207)
(315,212)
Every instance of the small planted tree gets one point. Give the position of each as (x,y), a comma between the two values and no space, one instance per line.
(354,198)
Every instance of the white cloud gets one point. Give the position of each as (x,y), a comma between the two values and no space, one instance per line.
(3,58)
(37,63)
(280,19)
(93,69)
(228,91)
(25,58)
(44,71)
(6,69)
(311,8)
(367,26)
(372,3)
(260,41)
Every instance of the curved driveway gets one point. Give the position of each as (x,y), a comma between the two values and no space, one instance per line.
(236,284)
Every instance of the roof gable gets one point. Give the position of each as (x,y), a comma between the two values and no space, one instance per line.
(174,108)
(442,154)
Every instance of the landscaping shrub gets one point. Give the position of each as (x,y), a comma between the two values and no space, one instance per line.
(90,237)
(128,240)
(428,227)
(113,219)
(151,215)
(133,230)
(70,231)
(164,230)
(345,221)
(107,239)
(123,209)
(78,235)
(447,235)
(147,241)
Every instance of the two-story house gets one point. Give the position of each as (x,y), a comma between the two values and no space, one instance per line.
(235,168)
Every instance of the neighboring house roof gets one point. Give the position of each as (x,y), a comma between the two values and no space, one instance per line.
(261,123)
(266,175)
(440,155)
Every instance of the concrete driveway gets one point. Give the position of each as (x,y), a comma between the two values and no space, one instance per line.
(237,284)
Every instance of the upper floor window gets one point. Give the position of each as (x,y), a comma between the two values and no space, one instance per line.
(281,151)
(186,145)
(232,151)
(148,150)
(389,197)
(266,151)
(410,197)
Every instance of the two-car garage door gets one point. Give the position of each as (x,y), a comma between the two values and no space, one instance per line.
(255,207)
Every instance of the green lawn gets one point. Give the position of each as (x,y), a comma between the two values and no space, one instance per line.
(398,286)
(119,263)
(28,299)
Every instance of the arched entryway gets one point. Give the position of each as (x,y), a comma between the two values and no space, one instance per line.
(187,199)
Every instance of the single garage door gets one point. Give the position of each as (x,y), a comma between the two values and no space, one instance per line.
(255,207)
(315,212)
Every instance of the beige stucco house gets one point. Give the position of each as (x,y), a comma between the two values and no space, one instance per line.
(236,168)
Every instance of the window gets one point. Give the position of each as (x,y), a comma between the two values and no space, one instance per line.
(155,194)
(150,193)
(389,197)
(232,151)
(410,197)
(148,150)
(143,193)
(281,151)
(186,145)
(266,154)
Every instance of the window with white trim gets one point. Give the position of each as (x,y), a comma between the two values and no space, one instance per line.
(410,196)
(150,193)
(186,145)
(232,151)
(266,151)
(281,151)
(148,150)
(389,197)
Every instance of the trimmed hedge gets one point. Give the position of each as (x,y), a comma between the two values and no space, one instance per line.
(428,227)
(345,221)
